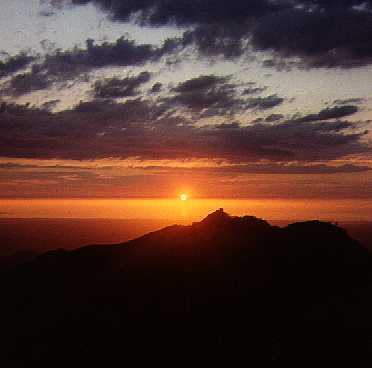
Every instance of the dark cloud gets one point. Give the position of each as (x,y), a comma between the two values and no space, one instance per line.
(50,105)
(28,82)
(263,168)
(202,83)
(279,63)
(209,94)
(335,36)
(68,65)
(349,101)
(54,167)
(273,117)
(217,95)
(264,103)
(301,32)
(336,112)
(10,165)
(15,63)
(213,40)
(319,33)
(233,125)
(183,12)
(252,89)
(301,169)
(46,177)
(115,87)
(150,130)
(156,88)
(286,141)
(22,170)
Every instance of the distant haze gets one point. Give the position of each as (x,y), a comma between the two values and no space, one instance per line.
(188,211)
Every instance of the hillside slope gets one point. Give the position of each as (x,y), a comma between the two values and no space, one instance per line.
(231,290)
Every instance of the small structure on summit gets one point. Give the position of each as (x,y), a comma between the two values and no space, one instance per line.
(221,219)
(218,217)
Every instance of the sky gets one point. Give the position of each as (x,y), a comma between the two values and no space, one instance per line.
(153,98)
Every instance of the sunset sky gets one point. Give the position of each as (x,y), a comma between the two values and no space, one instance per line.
(213,98)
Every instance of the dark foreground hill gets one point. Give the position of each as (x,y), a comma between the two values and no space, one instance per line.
(227,290)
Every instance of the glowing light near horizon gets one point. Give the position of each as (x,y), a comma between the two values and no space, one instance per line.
(184,197)
(190,210)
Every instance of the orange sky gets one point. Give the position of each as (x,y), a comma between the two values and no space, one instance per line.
(187,211)
(20,178)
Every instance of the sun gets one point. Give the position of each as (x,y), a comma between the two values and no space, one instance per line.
(184,197)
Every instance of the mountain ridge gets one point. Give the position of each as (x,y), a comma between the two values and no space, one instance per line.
(225,289)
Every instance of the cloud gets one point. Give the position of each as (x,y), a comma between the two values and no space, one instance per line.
(273,117)
(212,40)
(264,103)
(318,33)
(156,88)
(50,105)
(151,130)
(298,169)
(209,94)
(10,165)
(322,36)
(349,101)
(182,12)
(71,64)
(15,63)
(295,141)
(28,82)
(41,176)
(67,171)
(280,64)
(301,33)
(263,168)
(115,87)
(336,112)
(202,83)
(252,89)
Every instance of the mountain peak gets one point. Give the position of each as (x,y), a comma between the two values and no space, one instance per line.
(221,219)
(217,217)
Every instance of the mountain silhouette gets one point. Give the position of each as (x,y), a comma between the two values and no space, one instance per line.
(226,290)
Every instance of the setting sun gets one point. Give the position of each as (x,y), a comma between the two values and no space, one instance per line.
(184,197)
